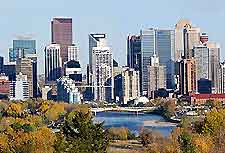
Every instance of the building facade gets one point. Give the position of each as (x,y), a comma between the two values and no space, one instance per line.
(102,78)
(67,91)
(73,52)
(157,76)
(134,52)
(187,78)
(53,62)
(130,85)
(61,33)
(147,51)
(201,55)
(214,66)
(4,86)
(19,89)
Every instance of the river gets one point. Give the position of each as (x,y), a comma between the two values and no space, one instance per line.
(135,123)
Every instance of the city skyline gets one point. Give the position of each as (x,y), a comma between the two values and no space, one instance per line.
(117,25)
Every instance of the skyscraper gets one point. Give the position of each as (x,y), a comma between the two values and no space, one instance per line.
(157,76)
(25,50)
(62,34)
(1,64)
(179,38)
(222,77)
(134,52)
(102,79)
(214,65)
(95,40)
(25,66)
(191,38)
(187,77)
(53,63)
(165,48)
(21,49)
(162,43)
(147,51)
(130,85)
(201,55)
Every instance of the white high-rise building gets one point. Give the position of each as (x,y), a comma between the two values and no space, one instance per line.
(53,62)
(100,68)
(19,89)
(73,52)
(157,76)
(102,73)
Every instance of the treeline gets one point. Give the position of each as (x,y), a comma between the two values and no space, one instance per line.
(29,127)
(203,136)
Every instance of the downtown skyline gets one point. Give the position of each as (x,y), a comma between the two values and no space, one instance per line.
(117,25)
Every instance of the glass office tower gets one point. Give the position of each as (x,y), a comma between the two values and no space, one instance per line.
(165,47)
(147,51)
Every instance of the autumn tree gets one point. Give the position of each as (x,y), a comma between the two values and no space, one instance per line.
(80,134)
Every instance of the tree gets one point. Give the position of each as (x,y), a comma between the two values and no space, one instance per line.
(203,143)
(185,140)
(214,120)
(148,136)
(80,134)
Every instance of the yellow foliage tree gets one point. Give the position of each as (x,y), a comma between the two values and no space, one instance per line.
(204,144)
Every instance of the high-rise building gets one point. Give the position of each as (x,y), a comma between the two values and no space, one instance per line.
(21,48)
(73,52)
(1,64)
(147,51)
(179,38)
(61,30)
(19,89)
(214,65)
(191,38)
(161,42)
(127,86)
(53,62)
(102,78)
(201,55)
(25,49)
(134,52)
(165,48)
(25,67)
(157,76)
(100,68)
(96,40)
(187,77)
(222,77)
(10,71)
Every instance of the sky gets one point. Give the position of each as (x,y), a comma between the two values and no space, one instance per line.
(117,18)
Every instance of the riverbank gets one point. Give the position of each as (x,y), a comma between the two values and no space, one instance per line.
(156,123)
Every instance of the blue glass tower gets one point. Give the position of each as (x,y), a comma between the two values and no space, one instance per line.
(21,48)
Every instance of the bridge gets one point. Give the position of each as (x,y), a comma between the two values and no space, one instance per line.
(123,109)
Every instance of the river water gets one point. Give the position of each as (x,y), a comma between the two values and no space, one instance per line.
(132,121)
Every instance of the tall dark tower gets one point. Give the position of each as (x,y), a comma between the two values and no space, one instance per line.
(61,33)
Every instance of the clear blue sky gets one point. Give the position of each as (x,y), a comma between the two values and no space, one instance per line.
(117,18)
